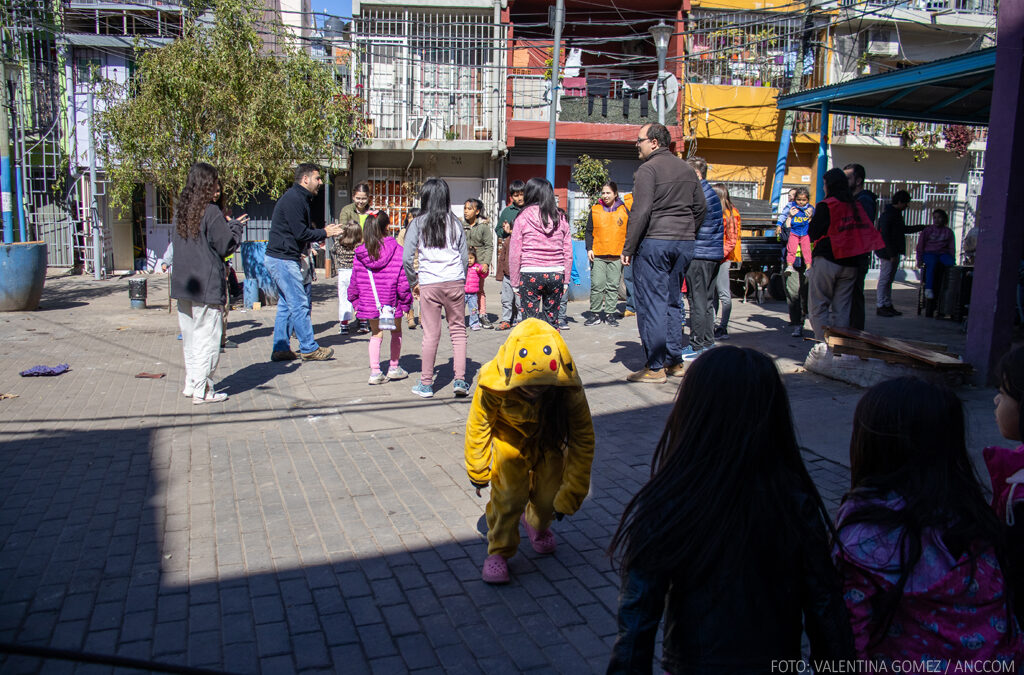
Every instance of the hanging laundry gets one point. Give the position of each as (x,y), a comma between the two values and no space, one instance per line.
(598,87)
(573,62)
(575,87)
(639,88)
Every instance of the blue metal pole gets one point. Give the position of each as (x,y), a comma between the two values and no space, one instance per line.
(19,198)
(8,201)
(550,162)
(819,189)
(780,165)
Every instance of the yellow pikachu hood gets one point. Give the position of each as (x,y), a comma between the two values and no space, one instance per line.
(533,355)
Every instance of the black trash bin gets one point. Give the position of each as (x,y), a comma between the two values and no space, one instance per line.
(137,293)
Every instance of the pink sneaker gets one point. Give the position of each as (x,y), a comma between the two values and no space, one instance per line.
(495,570)
(543,542)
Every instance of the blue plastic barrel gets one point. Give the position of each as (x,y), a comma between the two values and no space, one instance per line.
(22,275)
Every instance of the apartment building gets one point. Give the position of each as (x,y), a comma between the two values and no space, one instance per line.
(432,75)
(876,36)
(608,73)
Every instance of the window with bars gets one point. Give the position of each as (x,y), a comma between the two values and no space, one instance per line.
(394,191)
(753,49)
(431,75)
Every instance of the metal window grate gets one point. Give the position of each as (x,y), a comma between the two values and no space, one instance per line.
(754,49)
(394,191)
(431,75)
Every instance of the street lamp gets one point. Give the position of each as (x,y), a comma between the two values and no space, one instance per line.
(661,33)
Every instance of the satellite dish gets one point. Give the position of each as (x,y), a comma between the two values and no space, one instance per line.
(671,85)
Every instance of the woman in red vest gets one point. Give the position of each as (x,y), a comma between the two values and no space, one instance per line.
(842,236)
(605,237)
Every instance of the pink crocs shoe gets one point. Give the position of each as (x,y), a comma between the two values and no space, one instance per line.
(543,542)
(495,570)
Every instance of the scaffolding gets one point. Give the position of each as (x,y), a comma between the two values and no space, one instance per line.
(34,94)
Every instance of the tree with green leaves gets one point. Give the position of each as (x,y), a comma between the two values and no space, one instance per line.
(590,175)
(217,94)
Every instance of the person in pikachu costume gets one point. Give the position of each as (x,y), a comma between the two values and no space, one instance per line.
(530,435)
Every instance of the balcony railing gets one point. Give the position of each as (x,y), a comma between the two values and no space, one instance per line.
(627,102)
(878,128)
(954,6)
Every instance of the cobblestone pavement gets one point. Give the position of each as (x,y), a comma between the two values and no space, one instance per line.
(313,523)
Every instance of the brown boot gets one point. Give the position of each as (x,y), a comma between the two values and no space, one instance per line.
(675,370)
(321,354)
(648,375)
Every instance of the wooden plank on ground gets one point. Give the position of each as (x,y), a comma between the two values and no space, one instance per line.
(880,354)
(927,357)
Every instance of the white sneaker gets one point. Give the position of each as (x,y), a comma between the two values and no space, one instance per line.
(188,392)
(397,373)
(475,327)
(210,397)
(377,378)
(929,294)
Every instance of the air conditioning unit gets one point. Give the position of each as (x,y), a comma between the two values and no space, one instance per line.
(882,42)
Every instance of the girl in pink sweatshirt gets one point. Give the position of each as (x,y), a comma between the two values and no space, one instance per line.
(475,276)
(540,253)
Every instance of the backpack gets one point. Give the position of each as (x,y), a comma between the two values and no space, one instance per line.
(850,231)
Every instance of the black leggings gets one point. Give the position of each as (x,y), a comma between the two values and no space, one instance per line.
(540,295)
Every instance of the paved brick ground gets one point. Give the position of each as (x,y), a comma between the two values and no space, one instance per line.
(313,523)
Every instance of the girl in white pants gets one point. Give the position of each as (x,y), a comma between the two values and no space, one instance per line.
(344,254)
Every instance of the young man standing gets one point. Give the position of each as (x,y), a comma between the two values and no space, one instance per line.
(702,274)
(478,236)
(290,233)
(894,231)
(517,192)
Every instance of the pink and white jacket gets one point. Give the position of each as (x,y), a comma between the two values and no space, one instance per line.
(537,244)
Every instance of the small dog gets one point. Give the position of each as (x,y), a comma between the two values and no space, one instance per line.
(756,281)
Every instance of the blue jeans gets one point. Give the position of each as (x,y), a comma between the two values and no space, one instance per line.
(929,266)
(473,309)
(627,275)
(292,306)
(308,288)
(660,267)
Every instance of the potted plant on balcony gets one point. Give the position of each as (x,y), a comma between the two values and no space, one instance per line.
(590,175)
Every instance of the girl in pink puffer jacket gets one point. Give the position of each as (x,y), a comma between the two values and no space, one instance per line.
(380,256)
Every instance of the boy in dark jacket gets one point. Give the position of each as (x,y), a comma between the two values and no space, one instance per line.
(894,231)
(702,275)
(517,193)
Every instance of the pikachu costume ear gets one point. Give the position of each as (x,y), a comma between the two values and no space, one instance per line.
(534,354)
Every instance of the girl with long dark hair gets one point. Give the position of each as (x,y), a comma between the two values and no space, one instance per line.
(378,281)
(437,240)
(920,552)
(540,253)
(729,539)
(202,238)
(843,237)
(731,249)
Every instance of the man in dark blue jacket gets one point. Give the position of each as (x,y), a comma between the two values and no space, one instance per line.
(290,233)
(702,275)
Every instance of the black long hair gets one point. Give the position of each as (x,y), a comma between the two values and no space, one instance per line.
(375,228)
(1011,382)
(837,185)
(726,478)
(540,192)
(436,203)
(200,187)
(908,440)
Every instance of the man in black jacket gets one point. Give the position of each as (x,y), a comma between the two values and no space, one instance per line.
(894,231)
(668,205)
(290,233)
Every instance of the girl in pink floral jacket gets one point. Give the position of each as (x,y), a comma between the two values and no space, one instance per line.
(921,553)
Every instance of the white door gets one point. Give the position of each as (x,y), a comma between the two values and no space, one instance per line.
(462,189)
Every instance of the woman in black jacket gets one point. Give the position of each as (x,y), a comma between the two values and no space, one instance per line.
(202,238)
(729,540)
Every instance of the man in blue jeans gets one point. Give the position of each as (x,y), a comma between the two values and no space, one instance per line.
(668,204)
(290,233)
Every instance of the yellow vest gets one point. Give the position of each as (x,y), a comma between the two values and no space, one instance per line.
(609,229)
